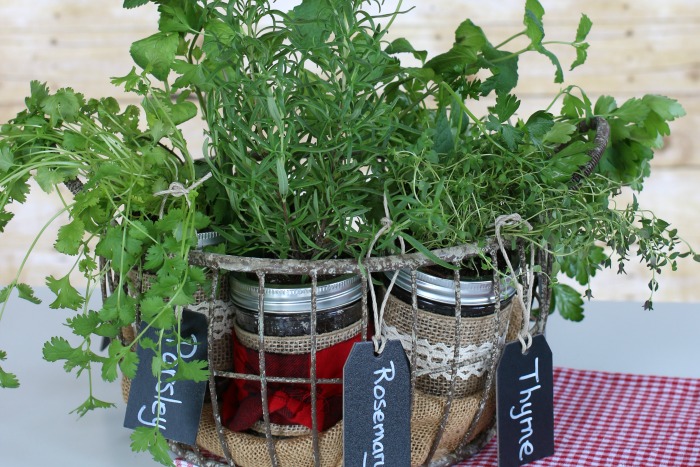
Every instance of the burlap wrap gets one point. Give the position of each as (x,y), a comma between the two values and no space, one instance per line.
(297,345)
(441,329)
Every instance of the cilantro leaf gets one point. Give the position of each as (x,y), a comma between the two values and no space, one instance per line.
(59,348)
(91,403)
(84,324)
(195,370)
(27,293)
(7,159)
(70,238)
(63,106)
(66,295)
(7,380)
(157,313)
(152,440)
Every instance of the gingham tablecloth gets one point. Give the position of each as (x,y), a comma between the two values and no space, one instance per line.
(616,420)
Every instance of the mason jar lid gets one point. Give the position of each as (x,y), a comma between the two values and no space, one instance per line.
(208,239)
(441,290)
(334,293)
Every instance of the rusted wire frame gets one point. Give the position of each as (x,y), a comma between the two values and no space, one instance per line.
(412,262)
(545,260)
(465,444)
(312,371)
(263,375)
(453,367)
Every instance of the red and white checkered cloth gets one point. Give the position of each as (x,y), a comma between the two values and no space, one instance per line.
(619,420)
(616,420)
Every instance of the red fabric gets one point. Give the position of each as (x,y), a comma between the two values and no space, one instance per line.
(615,420)
(289,404)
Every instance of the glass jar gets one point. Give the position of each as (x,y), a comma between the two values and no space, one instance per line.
(435,328)
(288,345)
(436,294)
(288,307)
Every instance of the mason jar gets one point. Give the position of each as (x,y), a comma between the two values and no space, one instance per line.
(287,345)
(435,327)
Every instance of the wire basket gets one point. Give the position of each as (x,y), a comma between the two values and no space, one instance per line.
(454,434)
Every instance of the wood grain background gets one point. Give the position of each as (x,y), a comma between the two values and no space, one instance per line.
(637,47)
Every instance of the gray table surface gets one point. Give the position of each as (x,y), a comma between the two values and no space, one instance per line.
(37,428)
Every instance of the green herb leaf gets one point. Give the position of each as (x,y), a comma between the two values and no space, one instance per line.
(151,440)
(92,403)
(70,238)
(7,380)
(156,53)
(506,106)
(66,295)
(157,313)
(584,27)
(63,106)
(195,370)
(568,301)
(534,29)
(560,133)
(84,324)
(401,45)
(27,293)
(134,3)
(7,159)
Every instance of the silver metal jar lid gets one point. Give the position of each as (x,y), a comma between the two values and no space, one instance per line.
(438,289)
(334,293)
(208,239)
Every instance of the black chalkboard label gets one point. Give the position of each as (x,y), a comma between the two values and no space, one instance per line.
(525,403)
(178,409)
(377,407)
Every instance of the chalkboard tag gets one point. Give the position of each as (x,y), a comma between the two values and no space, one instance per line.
(377,406)
(525,403)
(180,404)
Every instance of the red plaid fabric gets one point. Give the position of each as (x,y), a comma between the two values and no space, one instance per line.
(617,420)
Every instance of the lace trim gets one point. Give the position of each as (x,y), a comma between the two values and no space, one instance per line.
(435,360)
(221,319)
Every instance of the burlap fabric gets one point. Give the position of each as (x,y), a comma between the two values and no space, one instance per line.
(439,330)
(428,407)
(249,450)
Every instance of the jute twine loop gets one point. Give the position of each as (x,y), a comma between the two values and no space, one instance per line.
(177,190)
(514,219)
(379,339)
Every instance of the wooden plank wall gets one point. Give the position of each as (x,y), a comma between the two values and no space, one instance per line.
(637,47)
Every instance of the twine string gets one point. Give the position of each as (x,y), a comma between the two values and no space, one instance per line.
(379,338)
(524,335)
(177,190)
